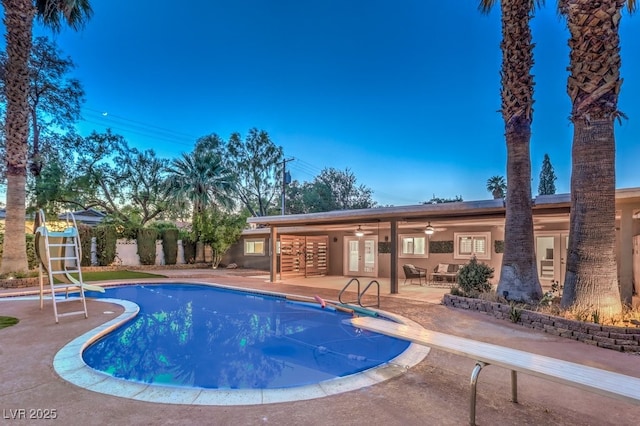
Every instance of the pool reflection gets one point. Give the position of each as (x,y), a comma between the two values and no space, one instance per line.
(203,336)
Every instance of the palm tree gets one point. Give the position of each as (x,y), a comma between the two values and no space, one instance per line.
(18,19)
(519,275)
(203,180)
(497,186)
(591,279)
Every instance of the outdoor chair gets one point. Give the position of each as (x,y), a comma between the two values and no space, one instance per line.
(412,272)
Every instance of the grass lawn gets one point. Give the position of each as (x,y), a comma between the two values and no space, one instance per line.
(7,321)
(116,275)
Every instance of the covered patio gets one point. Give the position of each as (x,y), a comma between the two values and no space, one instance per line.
(376,243)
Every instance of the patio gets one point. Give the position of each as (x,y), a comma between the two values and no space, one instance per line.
(433,392)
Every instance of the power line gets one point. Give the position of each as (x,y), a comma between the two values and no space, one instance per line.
(157,133)
(146,135)
(140,123)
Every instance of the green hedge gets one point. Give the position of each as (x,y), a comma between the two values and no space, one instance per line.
(440,246)
(147,245)
(170,246)
(189,250)
(31,250)
(105,244)
(86,234)
(384,247)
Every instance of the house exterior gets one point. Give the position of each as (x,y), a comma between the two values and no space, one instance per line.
(377,242)
(91,217)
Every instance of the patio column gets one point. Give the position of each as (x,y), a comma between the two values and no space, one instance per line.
(393,276)
(273,245)
(625,269)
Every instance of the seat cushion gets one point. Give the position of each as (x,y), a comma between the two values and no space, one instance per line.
(454,268)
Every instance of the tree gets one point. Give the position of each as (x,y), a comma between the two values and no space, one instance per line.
(54,107)
(145,183)
(591,279)
(519,275)
(203,180)
(331,190)
(102,171)
(497,186)
(438,200)
(219,230)
(54,99)
(94,177)
(548,178)
(209,144)
(18,19)
(256,163)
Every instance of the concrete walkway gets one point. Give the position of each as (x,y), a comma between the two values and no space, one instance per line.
(433,392)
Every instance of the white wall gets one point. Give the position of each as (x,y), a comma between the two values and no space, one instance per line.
(127,253)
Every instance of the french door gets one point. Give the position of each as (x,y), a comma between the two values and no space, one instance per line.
(361,256)
(551,255)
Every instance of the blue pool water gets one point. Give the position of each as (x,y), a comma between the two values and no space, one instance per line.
(210,337)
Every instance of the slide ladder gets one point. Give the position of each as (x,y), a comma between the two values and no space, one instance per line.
(59,255)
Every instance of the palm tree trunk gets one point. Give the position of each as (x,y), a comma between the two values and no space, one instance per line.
(519,275)
(14,254)
(18,21)
(591,280)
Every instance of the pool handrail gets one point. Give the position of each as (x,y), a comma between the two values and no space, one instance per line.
(360,293)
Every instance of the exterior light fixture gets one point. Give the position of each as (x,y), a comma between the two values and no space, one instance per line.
(359,232)
(429,230)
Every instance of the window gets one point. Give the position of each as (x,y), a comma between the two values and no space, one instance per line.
(413,245)
(470,244)
(254,247)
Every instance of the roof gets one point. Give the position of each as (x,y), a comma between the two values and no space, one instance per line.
(89,216)
(542,204)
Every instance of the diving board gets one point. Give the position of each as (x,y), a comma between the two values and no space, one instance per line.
(602,382)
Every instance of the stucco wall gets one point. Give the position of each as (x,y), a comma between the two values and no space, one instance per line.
(127,253)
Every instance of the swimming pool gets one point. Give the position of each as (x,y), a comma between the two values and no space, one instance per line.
(203,336)
(279,341)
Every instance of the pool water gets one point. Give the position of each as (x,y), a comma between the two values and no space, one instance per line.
(211,337)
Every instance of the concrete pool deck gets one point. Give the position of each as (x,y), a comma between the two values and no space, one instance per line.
(433,392)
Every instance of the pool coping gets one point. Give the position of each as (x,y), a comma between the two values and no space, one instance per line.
(70,366)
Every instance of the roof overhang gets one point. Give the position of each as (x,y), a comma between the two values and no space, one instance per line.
(543,205)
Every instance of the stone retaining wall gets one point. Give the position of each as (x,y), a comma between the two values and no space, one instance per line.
(624,339)
(20,282)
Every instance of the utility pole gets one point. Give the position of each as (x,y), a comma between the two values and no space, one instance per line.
(286,179)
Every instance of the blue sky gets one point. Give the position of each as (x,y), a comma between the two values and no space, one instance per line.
(405,94)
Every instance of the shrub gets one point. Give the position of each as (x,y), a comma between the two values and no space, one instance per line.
(32,260)
(515,312)
(105,244)
(162,226)
(473,278)
(86,234)
(189,247)
(440,246)
(147,245)
(170,246)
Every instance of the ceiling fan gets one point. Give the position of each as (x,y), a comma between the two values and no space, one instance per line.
(429,229)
